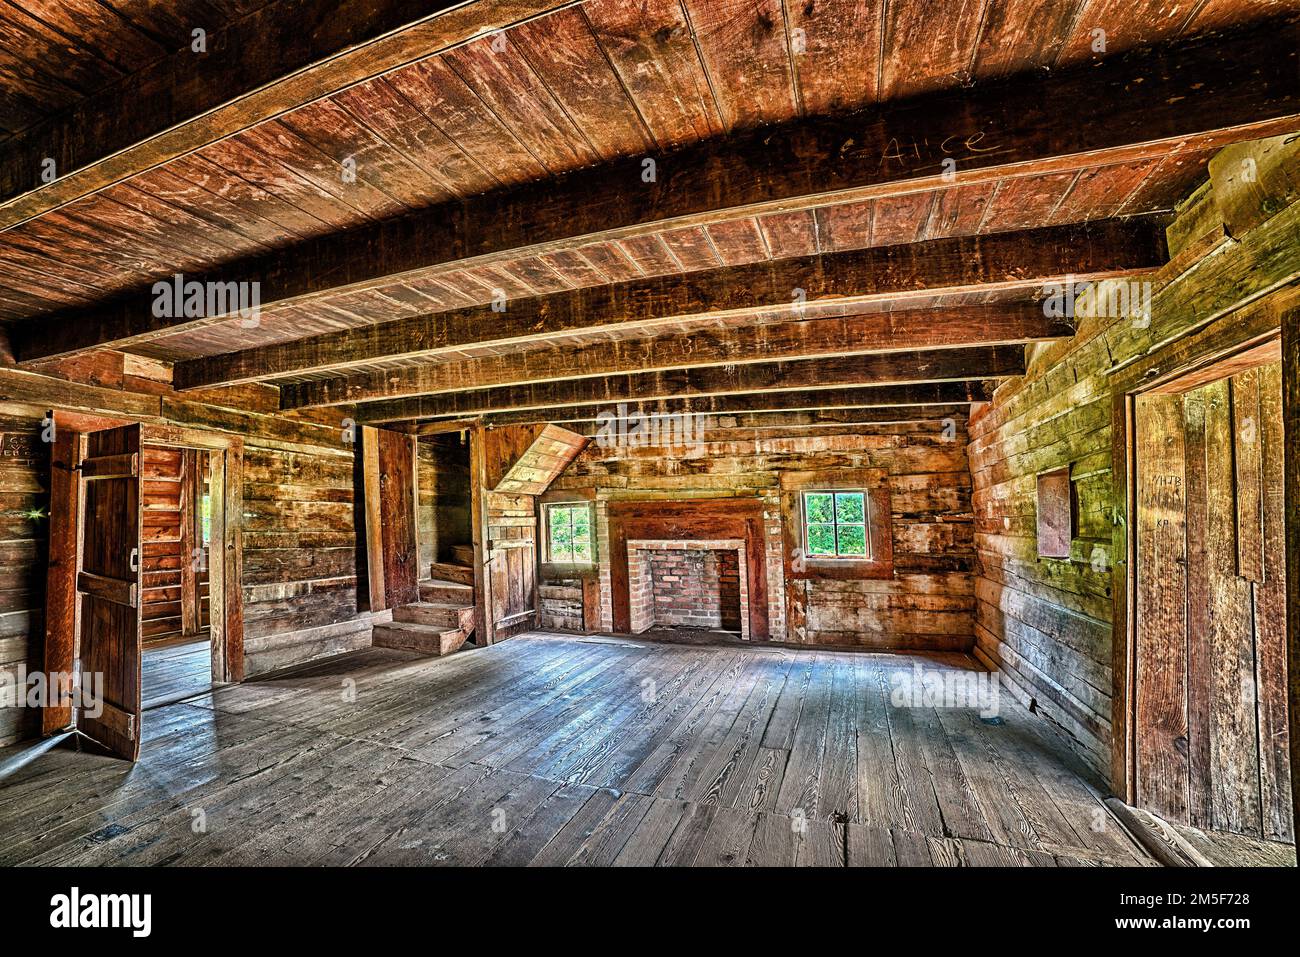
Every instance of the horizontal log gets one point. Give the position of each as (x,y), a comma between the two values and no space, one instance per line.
(808,422)
(933,396)
(954,365)
(1125,108)
(277,58)
(824,285)
(818,338)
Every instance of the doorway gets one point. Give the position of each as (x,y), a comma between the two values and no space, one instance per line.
(144,537)
(1210,733)
(175,595)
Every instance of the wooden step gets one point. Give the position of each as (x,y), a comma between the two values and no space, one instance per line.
(423,639)
(437,614)
(448,592)
(462,554)
(455,573)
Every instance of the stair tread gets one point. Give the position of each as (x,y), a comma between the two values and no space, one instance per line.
(444,583)
(415,626)
(449,605)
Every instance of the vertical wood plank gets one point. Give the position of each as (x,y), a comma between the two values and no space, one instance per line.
(217,567)
(189,513)
(232,595)
(1161,692)
(1248,463)
(374,523)
(478,535)
(1234,771)
(1199,624)
(1291,431)
(1123,777)
(1270,619)
(61,576)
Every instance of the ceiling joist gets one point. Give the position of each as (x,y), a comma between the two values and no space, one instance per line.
(925,400)
(795,288)
(948,365)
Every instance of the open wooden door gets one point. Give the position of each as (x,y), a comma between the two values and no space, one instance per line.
(109,585)
(391,492)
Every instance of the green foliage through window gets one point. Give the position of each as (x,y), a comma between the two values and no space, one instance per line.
(205,518)
(568,530)
(835,524)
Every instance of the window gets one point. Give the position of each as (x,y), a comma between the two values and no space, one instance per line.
(835,525)
(568,534)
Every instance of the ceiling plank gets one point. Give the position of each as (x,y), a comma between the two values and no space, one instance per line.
(830,283)
(1122,109)
(809,339)
(279,57)
(953,365)
(926,399)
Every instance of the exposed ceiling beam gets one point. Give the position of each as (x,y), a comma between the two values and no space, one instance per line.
(884,369)
(933,396)
(827,284)
(1121,109)
(730,423)
(809,339)
(282,56)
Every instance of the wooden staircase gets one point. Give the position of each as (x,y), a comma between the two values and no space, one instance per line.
(443,619)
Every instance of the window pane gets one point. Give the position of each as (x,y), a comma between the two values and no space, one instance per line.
(849,507)
(821,539)
(569,533)
(853,540)
(818,507)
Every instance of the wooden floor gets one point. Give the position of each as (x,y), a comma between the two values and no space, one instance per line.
(561,750)
(175,669)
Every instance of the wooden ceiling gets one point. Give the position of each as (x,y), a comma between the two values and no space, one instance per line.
(55,53)
(385,178)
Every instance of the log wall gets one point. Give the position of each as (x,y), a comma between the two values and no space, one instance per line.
(1045,623)
(927,603)
(299,569)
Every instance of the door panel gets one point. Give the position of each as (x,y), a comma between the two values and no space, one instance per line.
(392,547)
(109,584)
(61,580)
(1210,724)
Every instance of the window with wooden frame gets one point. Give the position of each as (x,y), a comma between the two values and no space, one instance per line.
(570,534)
(835,524)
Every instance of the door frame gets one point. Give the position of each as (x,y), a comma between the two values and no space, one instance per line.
(225,575)
(1229,336)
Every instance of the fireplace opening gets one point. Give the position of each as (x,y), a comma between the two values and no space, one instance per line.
(688,585)
(696,588)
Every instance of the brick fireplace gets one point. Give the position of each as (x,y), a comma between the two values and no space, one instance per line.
(694,583)
(692,524)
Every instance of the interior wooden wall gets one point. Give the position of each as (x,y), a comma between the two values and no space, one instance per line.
(444,498)
(927,604)
(1046,623)
(299,570)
